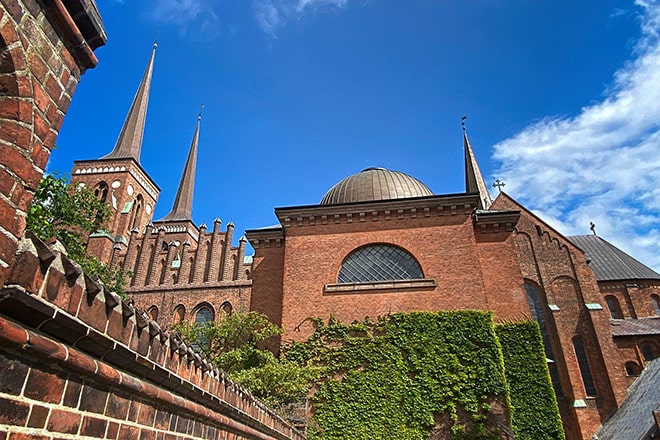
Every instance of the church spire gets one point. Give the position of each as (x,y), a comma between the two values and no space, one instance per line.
(474,181)
(129,142)
(182,209)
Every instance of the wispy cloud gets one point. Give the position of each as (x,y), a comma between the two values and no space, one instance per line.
(272,15)
(602,165)
(191,16)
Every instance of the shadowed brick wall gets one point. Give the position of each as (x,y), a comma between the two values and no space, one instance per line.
(79,361)
(43,53)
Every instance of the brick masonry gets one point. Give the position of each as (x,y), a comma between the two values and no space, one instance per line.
(78,360)
(42,57)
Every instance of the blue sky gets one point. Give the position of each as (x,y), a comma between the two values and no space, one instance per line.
(561,98)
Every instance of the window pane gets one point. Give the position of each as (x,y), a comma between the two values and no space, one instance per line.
(585,370)
(534,300)
(647,352)
(613,305)
(203,316)
(656,304)
(379,263)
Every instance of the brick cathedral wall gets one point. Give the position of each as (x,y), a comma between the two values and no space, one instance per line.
(560,271)
(79,361)
(445,246)
(38,75)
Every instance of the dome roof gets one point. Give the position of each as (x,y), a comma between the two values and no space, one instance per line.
(375,184)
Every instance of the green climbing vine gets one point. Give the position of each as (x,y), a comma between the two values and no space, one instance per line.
(534,406)
(406,375)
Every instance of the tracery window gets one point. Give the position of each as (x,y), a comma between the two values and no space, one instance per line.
(204,314)
(585,369)
(101,191)
(379,262)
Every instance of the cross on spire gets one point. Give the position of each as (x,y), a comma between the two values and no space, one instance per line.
(499,185)
(463,118)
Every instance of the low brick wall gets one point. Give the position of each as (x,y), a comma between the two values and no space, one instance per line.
(77,361)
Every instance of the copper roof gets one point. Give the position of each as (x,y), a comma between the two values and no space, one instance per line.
(375,184)
(610,263)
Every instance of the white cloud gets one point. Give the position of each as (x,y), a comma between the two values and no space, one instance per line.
(190,16)
(602,165)
(271,15)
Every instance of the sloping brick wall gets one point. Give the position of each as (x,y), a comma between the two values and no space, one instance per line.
(77,361)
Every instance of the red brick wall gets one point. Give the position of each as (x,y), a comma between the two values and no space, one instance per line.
(470,272)
(561,273)
(79,361)
(37,77)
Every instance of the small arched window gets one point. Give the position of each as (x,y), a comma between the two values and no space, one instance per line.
(101,191)
(656,303)
(648,352)
(204,315)
(585,369)
(633,369)
(614,307)
(179,313)
(153,312)
(379,262)
(227,308)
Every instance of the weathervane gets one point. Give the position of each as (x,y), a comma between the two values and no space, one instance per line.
(499,185)
(592,226)
(463,118)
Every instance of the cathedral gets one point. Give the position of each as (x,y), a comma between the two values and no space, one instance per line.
(380,241)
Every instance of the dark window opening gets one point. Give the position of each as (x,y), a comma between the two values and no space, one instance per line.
(648,352)
(535,306)
(633,369)
(613,305)
(585,369)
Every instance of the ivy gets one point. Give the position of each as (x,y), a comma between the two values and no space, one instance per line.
(534,407)
(404,376)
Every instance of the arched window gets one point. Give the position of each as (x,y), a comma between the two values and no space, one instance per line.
(137,211)
(648,352)
(101,191)
(204,315)
(153,312)
(226,307)
(535,306)
(633,369)
(179,314)
(379,262)
(585,369)
(615,308)
(656,303)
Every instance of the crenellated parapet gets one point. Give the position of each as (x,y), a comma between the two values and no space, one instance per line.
(97,366)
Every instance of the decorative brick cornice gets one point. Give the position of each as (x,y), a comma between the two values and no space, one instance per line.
(495,221)
(102,166)
(382,210)
(265,238)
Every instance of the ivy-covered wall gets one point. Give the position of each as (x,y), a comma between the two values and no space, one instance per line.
(426,375)
(408,376)
(534,406)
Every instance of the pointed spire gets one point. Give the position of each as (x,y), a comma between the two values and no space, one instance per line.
(129,142)
(182,209)
(474,181)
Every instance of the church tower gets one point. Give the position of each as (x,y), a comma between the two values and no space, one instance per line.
(119,179)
